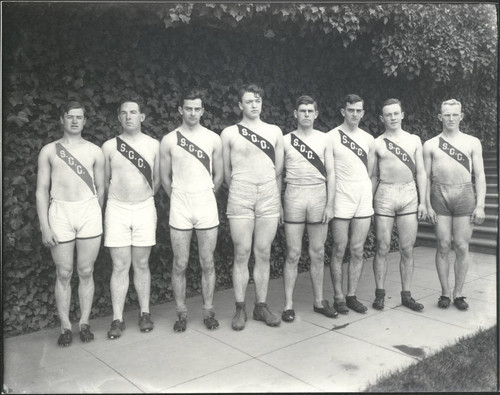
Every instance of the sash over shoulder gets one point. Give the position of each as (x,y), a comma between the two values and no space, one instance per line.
(308,153)
(354,147)
(401,154)
(136,159)
(194,150)
(454,153)
(259,141)
(76,166)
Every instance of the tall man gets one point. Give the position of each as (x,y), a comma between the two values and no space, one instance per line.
(398,160)
(353,151)
(310,189)
(132,179)
(253,163)
(191,172)
(449,159)
(69,197)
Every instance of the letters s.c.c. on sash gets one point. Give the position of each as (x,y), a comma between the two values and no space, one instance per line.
(347,142)
(194,150)
(76,166)
(136,159)
(308,153)
(259,141)
(401,154)
(454,153)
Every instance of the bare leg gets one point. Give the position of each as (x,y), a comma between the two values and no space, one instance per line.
(359,231)
(294,233)
(87,250)
(62,254)
(122,259)
(462,233)
(443,234)
(383,231)
(407,234)
(181,241)
(340,229)
(317,237)
(264,232)
(142,276)
(207,240)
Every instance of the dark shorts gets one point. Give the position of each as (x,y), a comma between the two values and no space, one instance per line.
(453,200)
(391,200)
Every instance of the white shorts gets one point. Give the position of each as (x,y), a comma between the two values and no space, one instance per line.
(193,210)
(75,220)
(130,223)
(353,199)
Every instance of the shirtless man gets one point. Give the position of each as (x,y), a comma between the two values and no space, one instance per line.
(69,197)
(132,179)
(398,160)
(253,163)
(191,172)
(310,189)
(353,152)
(449,159)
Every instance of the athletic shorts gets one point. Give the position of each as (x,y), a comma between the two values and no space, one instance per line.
(304,203)
(130,223)
(193,210)
(453,200)
(391,200)
(75,220)
(248,200)
(353,199)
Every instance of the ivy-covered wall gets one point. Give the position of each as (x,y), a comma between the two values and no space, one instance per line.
(99,57)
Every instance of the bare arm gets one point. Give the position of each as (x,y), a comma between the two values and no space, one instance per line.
(49,239)
(99,175)
(330,181)
(166,166)
(217,164)
(107,166)
(478,168)
(427,156)
(279,164)
(371,158)
(156,168)
(374,173)
(226,155)
(421,179)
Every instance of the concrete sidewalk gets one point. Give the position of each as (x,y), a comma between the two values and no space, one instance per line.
(313,354)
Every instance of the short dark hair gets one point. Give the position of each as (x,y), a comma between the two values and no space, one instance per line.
(388,102)
(132,99)
(253,88)
(192,94)
(352,98)
(304,99)
(71,105)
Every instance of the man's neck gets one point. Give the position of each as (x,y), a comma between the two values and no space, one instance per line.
(450,133)
(304,131)
(251,121)
(189,128)
(131,134)
(393,132)
(350,128)
(72,139)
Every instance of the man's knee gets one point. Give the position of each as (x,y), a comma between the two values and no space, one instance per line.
(383,247)
(461,247)
(293,255)
(241,255)
(86,272)
(179,265)
(444,245)
(262,253)
(207,264)
(317,253)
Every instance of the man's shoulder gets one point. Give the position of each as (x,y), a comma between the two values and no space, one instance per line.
(229,130)
(109,143)
(49,148)
(366,135)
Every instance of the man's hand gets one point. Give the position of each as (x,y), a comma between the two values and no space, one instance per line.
(477,216)
(49,238)
(422,212)
(327,214)
(431,216)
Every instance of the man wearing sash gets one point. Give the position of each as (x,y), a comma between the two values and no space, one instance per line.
(310,189)
(253,162)
(398,160)
(191,172)
(132,179)
(69,197)
(449,159)
(353,152)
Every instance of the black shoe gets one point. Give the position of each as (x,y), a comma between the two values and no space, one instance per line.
(145,323)
(65,338)
(288,315)
(327,310)
(117,327)
(85,334)
(353,303)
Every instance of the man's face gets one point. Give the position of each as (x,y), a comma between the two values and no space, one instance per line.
(306,114)
(352,113)
(451,116)
(73,121)
(191,111)
(130,116)
(392,117)
(251,105)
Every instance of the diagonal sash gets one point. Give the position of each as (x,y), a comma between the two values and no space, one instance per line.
(194,150)
(76,166)
(309,154)
(136,159)
(258,141)
(354,147)
(454,153)
(401,154)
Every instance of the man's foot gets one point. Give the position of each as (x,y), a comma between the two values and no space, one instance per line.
(411,303)
(340,306)
(327,310)
(353,303)
(85,334)
(65,338)
(145,323)
(461,303)
(117,327)
(262,313)
(444,302)
(240,317)
(378,303)
(288,315)
(181,323)
(209,320)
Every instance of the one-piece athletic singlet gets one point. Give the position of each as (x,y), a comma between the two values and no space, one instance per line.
(305,160)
